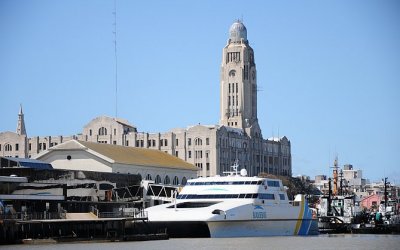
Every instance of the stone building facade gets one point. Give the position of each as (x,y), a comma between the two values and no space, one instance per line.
(211,148)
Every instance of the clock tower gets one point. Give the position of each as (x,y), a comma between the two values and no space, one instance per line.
(238,105)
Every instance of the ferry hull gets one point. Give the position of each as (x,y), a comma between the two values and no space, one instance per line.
(223,229)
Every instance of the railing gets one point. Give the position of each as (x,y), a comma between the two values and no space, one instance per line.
(31,216)
(141,214)
(21,216)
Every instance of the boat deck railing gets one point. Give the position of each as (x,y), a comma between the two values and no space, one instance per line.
(139,215)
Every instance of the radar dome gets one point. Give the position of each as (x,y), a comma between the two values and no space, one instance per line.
(243,172)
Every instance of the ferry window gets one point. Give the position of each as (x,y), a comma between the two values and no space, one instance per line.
(282,197)
(248,195)
(273,183)
(266,196)
(242,195)
(254,196)
(253,183)
(259,182)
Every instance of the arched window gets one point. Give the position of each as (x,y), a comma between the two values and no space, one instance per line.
(8,147)
(167,180)
(198,142)
(102,131)
(158,179)
(175,181)
(148,177)
(184,180)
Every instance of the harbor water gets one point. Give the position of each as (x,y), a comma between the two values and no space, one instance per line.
(331,241)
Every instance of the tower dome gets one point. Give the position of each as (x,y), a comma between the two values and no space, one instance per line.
(237,32)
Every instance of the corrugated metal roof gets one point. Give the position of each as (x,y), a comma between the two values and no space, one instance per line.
(138,156)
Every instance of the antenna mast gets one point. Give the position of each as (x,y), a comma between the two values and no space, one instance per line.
(115,57)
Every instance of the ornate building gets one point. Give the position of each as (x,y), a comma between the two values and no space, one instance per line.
(212,148)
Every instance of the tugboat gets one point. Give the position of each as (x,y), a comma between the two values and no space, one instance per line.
(336,211)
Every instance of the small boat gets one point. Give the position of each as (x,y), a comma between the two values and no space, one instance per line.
(234,205)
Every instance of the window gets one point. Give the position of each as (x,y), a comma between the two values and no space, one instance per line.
(44,146)
(282,197)
(90,132)
(115,131)
(207,141)
(176,142)
(198,142)
(232,73)
(8,147)
(184,181)
(198,154)
(189,154)
(16,147)
(158,179)
(102,131)
(189,141)
(167,180)
(148,177)
(161,142)
(273,183)
(266,196)
(237,89)
(127,143)
(176,154)
(115,142)
(175,181)
(208,166)
(165,142)
(0,147)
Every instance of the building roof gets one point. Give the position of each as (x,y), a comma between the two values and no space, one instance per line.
(238,31)
(127,155)
(138,156)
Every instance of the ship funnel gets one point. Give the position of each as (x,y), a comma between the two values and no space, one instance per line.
(243,172)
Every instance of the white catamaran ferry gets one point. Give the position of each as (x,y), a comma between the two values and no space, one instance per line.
(234,206)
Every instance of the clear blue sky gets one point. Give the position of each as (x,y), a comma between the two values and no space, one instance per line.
(328,71)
